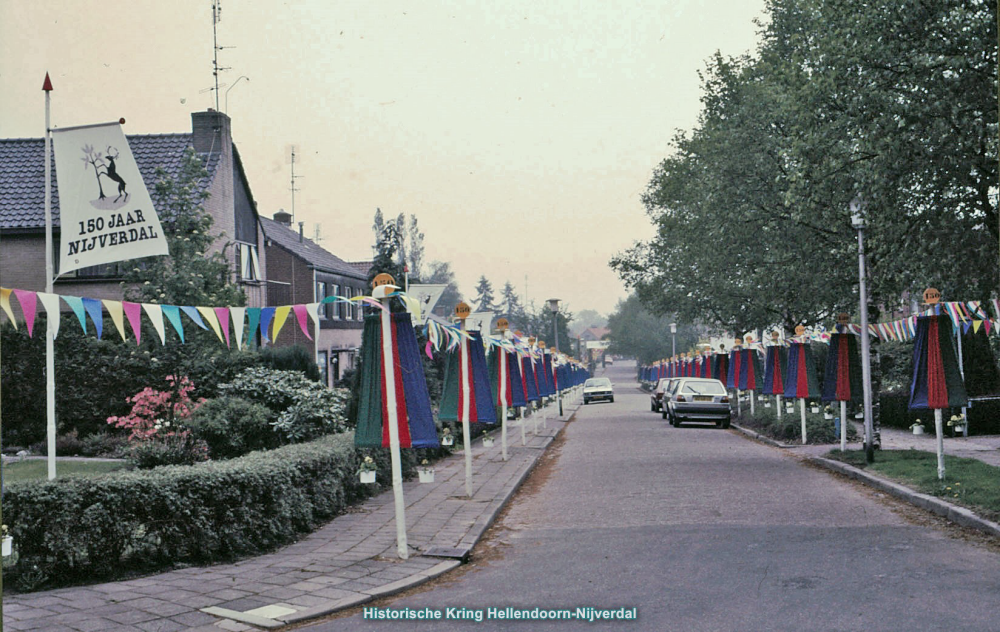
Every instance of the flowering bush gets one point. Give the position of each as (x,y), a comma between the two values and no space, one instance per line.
(177,448)
(155,411)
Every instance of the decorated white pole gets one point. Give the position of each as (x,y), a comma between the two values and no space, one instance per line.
(843,425)
(383,285)
(939,431)
(753,404)
(527,405)
(462,311)
(502,326)
(50,376)
(541,408)
(802,407)
(545,409)
(777,399)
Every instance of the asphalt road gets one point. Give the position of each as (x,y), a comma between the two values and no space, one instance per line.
(701,529)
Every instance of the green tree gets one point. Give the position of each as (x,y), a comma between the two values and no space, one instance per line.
(638,333)
(192,274)
(484,301)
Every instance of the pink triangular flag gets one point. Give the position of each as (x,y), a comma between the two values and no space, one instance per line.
(988,324)
(133,311)
(301,314)
(223,314)
(29,304)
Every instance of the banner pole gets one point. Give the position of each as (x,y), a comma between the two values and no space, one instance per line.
(503,400)
(50,378)
(388,370)
(802,406)
(467,391)
(961,370)
(939,431)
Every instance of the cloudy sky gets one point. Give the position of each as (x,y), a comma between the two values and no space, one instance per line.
(521,134)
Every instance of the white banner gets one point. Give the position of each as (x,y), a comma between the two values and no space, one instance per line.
(480,321)
(428,295)
(598,344)
(105,212)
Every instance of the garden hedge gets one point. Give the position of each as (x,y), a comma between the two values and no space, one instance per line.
(84,529)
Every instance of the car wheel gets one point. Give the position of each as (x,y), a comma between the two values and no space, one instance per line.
(664,414)
(612,400)
(725,424)
(652,407)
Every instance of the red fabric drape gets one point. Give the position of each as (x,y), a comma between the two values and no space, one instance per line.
(843,372)
(403,420)
(801,380)
(937,388)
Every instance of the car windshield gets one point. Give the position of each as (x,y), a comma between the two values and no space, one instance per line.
(598,381)
(712,387)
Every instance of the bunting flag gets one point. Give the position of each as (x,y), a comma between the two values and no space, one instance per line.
(280,315)
(155,315)
(117,316)
(222,315)
(132,312)
(937,382)
(415,422)
(5,304)
(266,315)
(76,304)
(51,304)
(96,313)
(239,316)
(301,315)
(173,314)
(774,367)
(195,316)
(29,304)
(208,314)
(253,324)
(518,396)
(454,394)
(800,373)
(842,378)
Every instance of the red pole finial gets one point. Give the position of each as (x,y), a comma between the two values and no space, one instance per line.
(47,86)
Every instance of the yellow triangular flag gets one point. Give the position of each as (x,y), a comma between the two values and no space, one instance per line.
(976,324)
(51,304)
(212,320)
(155,315)
(238,315)
(117,316)
(5,304)
(280,315)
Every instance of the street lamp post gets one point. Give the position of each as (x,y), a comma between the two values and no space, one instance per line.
(554,306)
(858,222)
(673,339)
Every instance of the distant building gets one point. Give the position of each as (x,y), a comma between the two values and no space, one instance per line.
(300,271)
(231,205)
(594,333)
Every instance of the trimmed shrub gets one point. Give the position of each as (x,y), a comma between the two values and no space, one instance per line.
(178,448)
(305,409)
(86,528)
(789,429)
(232,426)
(294,358)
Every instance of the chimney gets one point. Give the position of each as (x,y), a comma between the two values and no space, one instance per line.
(283,218)
(301,236)
(211,132)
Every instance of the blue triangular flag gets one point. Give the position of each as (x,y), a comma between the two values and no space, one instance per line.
(96,312)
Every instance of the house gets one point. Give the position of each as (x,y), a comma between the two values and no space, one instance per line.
(300,271)
(230,203)
(594,333)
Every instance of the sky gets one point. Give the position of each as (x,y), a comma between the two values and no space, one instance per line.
(521,134)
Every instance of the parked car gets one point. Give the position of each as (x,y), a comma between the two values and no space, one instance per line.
(697,399)
(656,396)
(598,389)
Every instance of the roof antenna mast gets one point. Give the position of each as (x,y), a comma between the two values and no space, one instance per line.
(293,189)
(216,18)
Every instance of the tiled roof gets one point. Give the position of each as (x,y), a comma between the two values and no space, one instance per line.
(22,174)
(307,250)
(364,267)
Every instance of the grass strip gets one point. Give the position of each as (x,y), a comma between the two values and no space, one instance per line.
(968,482)
(38,469)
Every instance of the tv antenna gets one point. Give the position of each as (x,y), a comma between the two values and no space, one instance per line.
(292,188)
(216,18)
(316,236)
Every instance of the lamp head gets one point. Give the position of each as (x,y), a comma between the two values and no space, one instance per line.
(554,304)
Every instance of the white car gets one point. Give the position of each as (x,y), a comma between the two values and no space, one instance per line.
(598,389)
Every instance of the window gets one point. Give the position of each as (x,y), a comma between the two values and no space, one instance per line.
(335,290)
(320,295)
(321,363)
(358,310)
(249,266)
(349,307)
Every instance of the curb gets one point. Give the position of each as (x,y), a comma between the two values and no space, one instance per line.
(418,578)
(954,513)
(759,437)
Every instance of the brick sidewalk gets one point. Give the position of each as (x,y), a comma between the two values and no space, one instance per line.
(349,561)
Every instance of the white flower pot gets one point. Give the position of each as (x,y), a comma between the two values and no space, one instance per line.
(859,415)
(789,409)
(918,430)
(367,477)
(7,545)
(487,442)
(814,409)
(767,404)
(426,475)
(827,415)
(959,429)
(449,440)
